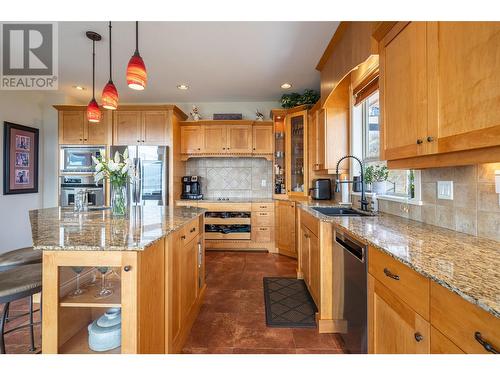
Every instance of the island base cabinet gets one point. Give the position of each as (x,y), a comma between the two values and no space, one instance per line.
(135,279)
(186,284)
(393,327)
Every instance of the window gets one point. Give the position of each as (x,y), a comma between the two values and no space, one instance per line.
(365,144)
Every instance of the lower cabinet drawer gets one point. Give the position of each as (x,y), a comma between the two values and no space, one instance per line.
(407,284)
(263,218)
(262,206)
(262,234)
(469,327)
(190,230)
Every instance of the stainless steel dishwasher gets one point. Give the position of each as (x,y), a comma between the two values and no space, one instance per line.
(350,290)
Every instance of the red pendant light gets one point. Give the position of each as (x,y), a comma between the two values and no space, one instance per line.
(93,112)
(110,93)
(137,76)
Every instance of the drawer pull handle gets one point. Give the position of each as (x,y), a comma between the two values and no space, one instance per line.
(418,337)
(486,345)
(419,141)
(183,237)
(127,268)
(263,229)
(192,230)
(390,274)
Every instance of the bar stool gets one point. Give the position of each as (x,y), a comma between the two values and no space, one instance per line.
(19,257)
(16,283)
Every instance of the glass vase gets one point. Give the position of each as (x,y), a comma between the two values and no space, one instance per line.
(119,200)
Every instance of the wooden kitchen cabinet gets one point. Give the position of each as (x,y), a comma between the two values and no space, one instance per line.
(317,123)
(310,261)
(239,139)
(464,85)
(435,109)
(296,153)
(134,127)
(262,139)
(403,90)
(394,328)
(74,128)
(191,139)
(285,228)
(127,128)
(214,139)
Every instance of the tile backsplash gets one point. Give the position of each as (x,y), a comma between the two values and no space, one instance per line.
(474,209)
(232,177)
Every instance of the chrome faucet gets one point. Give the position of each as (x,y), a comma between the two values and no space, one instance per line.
(364,202)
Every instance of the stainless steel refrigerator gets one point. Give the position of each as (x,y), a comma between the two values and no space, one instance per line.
(150,186)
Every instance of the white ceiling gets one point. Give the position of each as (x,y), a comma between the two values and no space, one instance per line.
(220,61)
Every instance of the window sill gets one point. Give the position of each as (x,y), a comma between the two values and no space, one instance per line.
(392,198)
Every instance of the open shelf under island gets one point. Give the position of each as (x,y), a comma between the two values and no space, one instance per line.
(154,257)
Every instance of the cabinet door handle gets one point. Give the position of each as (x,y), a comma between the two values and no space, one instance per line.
(418,337)
(199,149)
(306,235)
(430,139)
(224,148)
(81,139)
(183,237)
(138,140)
(85,139)
(192,230)
(419,141)
(127,268)
(254,148)
(390,274)
(486,345)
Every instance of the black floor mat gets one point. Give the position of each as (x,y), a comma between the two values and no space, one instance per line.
(288,303)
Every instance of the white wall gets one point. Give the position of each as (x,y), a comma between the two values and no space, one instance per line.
(15,232)
(246,108)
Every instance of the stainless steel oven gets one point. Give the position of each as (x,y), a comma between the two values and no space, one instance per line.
(79,159)
(70,184)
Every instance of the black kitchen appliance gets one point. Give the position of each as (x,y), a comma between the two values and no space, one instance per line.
(191,188)
(321,190)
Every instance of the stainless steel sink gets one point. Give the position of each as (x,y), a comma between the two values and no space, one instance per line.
(339,211)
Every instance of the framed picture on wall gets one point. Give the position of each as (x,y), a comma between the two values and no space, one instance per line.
(20,159)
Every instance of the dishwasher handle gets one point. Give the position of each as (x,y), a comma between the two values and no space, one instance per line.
(352,247)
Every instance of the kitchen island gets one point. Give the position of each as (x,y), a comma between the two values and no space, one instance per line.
(152,260)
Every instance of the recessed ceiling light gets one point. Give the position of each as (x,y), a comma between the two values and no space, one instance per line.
(182,87)
(81,88)
(286,85)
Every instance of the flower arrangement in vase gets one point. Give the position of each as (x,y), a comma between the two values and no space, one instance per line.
(119,170)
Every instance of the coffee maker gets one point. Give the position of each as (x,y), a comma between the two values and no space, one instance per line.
(191,188)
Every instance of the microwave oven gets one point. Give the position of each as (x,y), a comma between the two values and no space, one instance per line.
(79,159)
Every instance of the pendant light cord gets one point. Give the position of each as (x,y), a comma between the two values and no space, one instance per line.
(93,69)
(110,55)
(137,37)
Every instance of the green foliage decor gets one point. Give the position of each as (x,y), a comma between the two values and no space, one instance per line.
(376,173)
(309,97)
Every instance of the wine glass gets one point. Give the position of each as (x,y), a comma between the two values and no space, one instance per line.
(104,291)
(78,291)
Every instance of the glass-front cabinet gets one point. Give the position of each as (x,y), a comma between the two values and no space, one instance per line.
(290,154)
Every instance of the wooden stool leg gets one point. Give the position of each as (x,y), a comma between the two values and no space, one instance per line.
(32,333)
(2,327)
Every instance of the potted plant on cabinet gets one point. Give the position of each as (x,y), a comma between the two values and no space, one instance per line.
(376,176)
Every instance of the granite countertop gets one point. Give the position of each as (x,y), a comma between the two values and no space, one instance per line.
(231,200)
(467,265)
(62,229)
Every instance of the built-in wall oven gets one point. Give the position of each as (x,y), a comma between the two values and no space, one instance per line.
(71,184)
(78,159)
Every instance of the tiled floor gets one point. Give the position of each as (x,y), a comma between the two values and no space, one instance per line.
(18,342)
(232,318)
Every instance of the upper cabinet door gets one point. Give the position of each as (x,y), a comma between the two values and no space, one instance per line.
(97,133)
(403,89)
(191,139)
(296,153)
(214,138)
(465,95)
(127,126)
(239,139)
(71,125)
(154,128)
(263,139)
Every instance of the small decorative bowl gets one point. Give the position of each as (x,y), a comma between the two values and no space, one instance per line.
(105,333)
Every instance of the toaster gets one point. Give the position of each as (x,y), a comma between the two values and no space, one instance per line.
(321,190)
